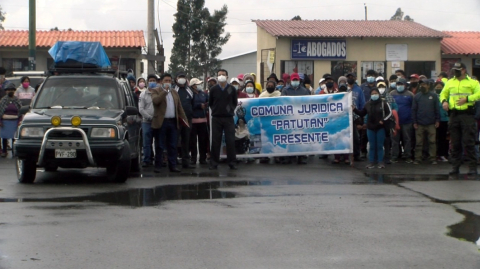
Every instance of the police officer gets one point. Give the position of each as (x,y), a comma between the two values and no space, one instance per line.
(458,97)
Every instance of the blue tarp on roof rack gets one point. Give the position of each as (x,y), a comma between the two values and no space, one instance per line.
(65,53)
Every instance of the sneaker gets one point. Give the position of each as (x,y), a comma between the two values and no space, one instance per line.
(394,161)
(381,165)
(414,162)
(434,162)
(370,166)
(442,159)
(409,161)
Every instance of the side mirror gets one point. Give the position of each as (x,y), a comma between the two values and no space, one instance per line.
(24,110)
(131,111)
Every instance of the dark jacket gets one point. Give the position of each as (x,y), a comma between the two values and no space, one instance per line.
(426,108)
(366,89)
(223,102)
(186,98)
(290,91)
(375,114)
(199,98)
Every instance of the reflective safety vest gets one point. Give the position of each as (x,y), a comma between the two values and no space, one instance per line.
(455,89)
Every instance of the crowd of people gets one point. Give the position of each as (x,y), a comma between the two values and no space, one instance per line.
(402,118)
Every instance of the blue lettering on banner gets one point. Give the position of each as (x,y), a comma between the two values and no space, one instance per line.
(318,49)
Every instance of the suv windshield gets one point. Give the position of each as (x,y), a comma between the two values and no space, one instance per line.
(75,92)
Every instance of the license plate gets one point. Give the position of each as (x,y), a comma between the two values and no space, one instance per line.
(65,153)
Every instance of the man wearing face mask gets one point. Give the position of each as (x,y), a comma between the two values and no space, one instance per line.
(199,123)
(321,86)
(295,89)
(414,78)
(393,82)
(458,97)
(369,84)
(168,116)
(223,101)
(186,97)
(404,100)
(145,107)
(358,99)
(329,86)
(426,118)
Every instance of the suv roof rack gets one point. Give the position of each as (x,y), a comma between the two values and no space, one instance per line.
(84,70)
(28,73)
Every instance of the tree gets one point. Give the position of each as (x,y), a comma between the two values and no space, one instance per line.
(297,18)
(398,16)
(2,18)
(198,38)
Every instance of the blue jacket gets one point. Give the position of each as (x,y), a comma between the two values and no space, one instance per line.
(404,102)
(198,99)
(366,90)
(444,114)
(358,97)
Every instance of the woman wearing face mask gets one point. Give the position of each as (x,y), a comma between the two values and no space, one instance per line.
(321,86)
(141,86)
(250,89)
(25,92)
(270,92)
(330,86)
(377,112)
(9,118)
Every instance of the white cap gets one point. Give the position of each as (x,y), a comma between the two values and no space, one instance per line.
(234,79)
(379,78)
(195,81)
(321,80)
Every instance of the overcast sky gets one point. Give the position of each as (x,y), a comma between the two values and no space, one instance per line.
(458,15)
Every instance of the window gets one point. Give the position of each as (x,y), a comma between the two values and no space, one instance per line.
(15,64)
(123,64)
(379,67)
(305,67)
(342,68)
(420,68)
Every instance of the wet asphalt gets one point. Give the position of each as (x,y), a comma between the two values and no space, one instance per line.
(317,215)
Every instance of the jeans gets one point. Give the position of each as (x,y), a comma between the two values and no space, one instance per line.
(199,130)
(430,132)
(406,130)
(166,138)
(185,143)
(147,141)
(376,138)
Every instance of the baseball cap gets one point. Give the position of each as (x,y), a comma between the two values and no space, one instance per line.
(195,81)
(379,78)
(328,76)
(321,80)
(234,80)
(459,66)
(240,77)
(181,74)
(294,76)
(380,84)
(414,76)
(211,78)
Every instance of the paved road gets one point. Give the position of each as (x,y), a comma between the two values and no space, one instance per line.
(261,216)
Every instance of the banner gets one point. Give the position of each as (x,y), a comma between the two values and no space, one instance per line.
(318,49)
(293,125)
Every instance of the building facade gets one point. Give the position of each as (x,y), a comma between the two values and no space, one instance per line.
(240,64)
(124,48)
(464,47)
(338,47)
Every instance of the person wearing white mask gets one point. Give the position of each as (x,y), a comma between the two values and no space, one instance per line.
(223,101)
(186,97)
(321,86)
(199,130)
(235,82)
(250,89)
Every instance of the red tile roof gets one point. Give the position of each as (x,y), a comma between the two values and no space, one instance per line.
(461,43)
(347,28)
(109,39)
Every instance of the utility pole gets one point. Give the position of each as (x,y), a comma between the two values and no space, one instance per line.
(32,31)
(151,37)
(366,18)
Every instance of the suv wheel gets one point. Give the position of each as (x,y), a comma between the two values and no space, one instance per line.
(137,161)
(26,170)
(119,172)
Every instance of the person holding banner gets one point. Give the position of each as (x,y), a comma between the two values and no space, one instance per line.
(295,89)
(222,101)
(377,112)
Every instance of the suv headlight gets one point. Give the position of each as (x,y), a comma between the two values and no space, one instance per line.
(103,132)
(32,132)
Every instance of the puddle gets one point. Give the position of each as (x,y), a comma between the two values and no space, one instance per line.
(399,178)
(142,197)
(468,229)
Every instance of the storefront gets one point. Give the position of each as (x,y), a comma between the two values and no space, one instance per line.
(339,47)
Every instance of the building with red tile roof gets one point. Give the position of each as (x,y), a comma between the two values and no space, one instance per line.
(124,48)
(464,47)
(316,47)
